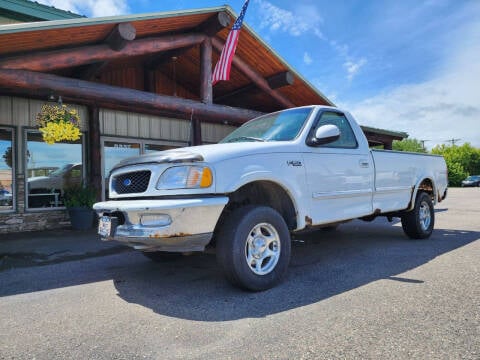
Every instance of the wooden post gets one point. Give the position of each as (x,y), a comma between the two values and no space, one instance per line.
(206,71)
(94,146)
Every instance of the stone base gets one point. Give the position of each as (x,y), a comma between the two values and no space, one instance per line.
(45,220)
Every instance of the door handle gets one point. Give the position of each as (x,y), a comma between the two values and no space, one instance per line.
(364,163)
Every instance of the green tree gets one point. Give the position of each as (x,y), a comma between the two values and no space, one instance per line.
(7,156)
(461,161)
(412,145)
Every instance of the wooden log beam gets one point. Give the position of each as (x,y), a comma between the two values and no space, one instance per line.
(120,36)
(214,24)
(275,81)
(255,77)
(34,82)
(206,94)
(281,79)
(209,27)
(117,40)
(66,58)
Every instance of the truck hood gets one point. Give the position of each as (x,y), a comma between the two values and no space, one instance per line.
(209,153)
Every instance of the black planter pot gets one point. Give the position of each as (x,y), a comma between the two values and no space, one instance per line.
(81,218)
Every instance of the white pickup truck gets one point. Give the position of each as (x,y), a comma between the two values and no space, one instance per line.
(278,174)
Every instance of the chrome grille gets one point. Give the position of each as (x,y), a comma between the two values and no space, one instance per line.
(132,182)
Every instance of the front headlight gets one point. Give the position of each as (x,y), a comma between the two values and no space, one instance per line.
(185,177)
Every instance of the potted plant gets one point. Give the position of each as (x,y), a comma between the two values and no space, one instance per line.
(58,123)
(79,200)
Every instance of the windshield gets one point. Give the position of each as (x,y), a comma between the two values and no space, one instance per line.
(280,126)
(62,170)
(473,177)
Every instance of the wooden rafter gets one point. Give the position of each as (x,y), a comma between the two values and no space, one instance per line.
(253,75)
(275,82)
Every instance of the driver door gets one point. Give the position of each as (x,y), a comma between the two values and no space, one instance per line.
(339,174)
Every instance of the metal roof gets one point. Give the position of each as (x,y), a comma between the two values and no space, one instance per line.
(396,135)
(22,8)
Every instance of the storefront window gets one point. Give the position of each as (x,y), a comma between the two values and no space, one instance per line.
(50,169)
(7,163)
(116,151)
(157,147)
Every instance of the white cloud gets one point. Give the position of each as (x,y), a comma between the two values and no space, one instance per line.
(303,19)
(353,67)
(91,8)
(307,59)
(446,106)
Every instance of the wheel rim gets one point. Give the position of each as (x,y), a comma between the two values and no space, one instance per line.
(262,249)
(425,216)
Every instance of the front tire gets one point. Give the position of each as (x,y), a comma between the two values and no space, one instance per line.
(418,223)
(253,248)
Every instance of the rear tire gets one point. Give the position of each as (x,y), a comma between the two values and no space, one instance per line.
(418,223)
(253,248)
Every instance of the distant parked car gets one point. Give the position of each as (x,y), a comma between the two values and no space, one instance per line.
(5,197)
(473,180)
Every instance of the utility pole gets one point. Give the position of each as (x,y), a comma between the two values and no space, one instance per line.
(423,143)
(453,141)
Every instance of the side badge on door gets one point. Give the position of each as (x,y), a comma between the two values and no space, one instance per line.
(294,163)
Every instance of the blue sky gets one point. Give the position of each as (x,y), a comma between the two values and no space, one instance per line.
(405,65)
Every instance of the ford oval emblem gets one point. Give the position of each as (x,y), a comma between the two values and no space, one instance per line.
(127,182)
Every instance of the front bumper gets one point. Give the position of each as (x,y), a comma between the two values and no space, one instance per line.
(176,225)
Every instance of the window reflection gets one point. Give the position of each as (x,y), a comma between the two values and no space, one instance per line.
(157,147)
(114,152)
(50,170)
(6,169)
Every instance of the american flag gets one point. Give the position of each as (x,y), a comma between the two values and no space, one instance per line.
(222,69)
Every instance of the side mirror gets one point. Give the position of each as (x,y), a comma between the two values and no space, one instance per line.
(325,134)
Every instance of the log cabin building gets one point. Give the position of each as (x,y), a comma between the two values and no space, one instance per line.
(140,83)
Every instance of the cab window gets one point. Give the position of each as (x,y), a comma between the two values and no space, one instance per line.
(347,137)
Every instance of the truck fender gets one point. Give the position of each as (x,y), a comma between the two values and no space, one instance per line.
(416,188)
(264,175)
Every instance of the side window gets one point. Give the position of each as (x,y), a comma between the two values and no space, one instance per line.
(347,137)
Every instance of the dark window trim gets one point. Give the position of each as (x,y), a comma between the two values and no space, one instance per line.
(14,169)
(314,126)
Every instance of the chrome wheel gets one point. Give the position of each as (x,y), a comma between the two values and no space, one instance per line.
(424,216)
(262,249)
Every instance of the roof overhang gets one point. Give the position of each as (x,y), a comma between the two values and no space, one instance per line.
(38,37)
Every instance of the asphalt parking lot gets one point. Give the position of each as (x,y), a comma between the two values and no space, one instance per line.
(362,291)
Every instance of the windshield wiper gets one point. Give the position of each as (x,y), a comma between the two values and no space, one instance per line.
(246,138)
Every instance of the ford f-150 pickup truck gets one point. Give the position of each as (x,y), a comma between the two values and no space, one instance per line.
(278,174)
